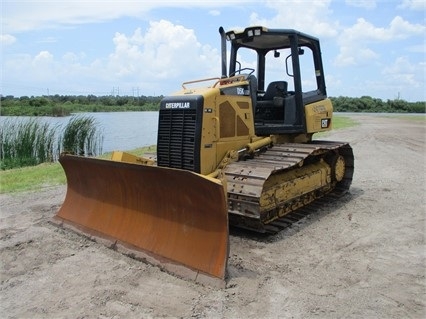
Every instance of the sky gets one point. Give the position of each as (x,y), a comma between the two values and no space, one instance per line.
(369,47)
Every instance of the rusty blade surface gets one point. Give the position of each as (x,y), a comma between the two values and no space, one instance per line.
(175,216)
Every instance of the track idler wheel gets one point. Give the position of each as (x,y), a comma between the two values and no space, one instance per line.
(337,165)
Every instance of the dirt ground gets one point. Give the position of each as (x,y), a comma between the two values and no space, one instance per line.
(361,257)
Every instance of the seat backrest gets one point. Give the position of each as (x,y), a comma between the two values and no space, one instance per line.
(275,88)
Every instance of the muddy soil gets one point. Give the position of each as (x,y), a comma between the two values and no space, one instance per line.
(360,257)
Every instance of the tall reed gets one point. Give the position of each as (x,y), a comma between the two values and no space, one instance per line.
(31,142)
(81,137)
(26,143)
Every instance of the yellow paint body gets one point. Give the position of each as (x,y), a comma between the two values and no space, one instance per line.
(319,116)
(229,122)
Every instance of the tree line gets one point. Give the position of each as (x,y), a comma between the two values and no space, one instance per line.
(63,105)
(369,104)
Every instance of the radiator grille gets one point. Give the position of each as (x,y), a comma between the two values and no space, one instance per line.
(176,138)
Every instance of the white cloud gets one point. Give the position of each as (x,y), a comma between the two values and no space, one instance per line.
(214,13)
(402,78)
(312,17)
(413,4)
(7,39)
(164,51)
(398,29)
(401,29)
(73,58)
(354,40)
(421,48)
(366,4)
(43,57)
(403,72)
(165,54)
(43,67)
(26,15)
(406,78)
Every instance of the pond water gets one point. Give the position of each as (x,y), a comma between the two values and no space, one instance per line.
(121,130)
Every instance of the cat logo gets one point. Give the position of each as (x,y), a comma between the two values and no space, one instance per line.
(325,123)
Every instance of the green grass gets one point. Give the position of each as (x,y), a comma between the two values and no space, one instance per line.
(340,122)
(33,178)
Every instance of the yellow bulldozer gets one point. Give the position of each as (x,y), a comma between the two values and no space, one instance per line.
(232,150)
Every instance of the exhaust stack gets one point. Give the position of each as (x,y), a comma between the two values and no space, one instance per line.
(223,49)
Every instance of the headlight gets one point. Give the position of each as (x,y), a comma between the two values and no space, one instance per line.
(230,36)
(254,32)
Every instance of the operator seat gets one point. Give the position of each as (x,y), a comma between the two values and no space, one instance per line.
(275,89)
(270,106)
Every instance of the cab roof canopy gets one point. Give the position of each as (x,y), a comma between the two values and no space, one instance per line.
(261,38)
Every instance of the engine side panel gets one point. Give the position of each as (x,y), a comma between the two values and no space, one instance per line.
(319,116)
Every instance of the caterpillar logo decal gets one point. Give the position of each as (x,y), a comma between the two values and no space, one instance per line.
(177,105)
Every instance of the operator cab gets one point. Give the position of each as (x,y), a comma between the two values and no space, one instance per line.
(283,57)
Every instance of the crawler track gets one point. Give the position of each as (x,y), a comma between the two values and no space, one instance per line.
(264,190)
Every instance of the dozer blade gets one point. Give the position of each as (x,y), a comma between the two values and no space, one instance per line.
(173,218)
